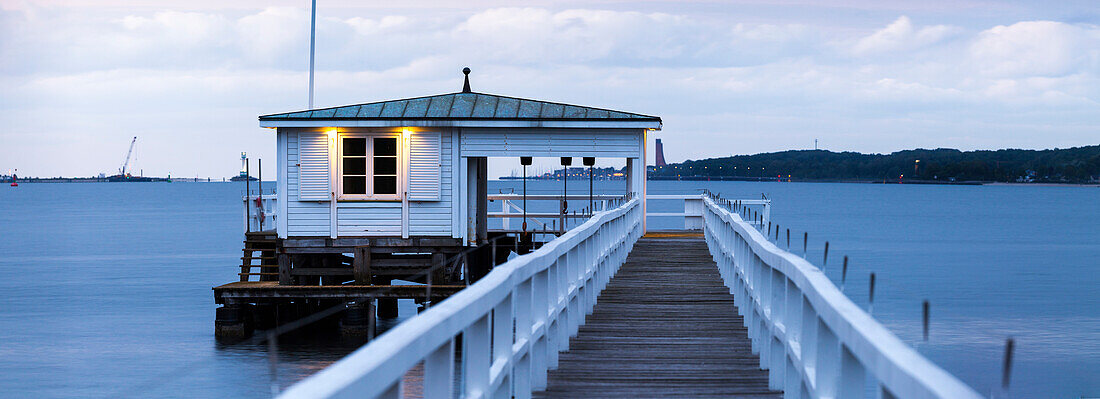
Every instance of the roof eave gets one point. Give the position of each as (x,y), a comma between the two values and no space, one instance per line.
(487,123)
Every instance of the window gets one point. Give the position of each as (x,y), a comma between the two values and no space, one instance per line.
(385,165)
(368,167)
(354,164)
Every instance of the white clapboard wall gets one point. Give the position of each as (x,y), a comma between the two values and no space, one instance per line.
(428,174)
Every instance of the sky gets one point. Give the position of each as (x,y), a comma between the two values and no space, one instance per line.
(79,79)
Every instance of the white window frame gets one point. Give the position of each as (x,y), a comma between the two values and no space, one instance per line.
(370,196)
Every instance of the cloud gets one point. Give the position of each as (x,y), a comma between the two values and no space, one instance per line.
(764,83)
(1037,48)
(901,35)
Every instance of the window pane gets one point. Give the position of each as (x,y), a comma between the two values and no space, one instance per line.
(385,184)
(385,146)
(385,165)
(355,185)
(355,146)
(355,166)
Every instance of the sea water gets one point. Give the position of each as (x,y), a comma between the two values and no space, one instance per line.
(105,287)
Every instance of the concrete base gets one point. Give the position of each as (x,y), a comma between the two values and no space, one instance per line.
(233,322)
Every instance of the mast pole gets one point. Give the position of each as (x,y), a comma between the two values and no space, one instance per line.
(312,41)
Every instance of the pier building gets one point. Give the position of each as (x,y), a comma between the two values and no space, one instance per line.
(397,190)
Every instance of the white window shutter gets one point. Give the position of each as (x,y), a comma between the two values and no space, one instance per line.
(425,163)
(313,169)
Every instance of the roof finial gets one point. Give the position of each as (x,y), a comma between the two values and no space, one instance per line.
(466,85)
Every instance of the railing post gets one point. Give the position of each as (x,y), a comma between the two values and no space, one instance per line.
(827,362)
(477,340)
(777,288)
(540,302)
(394,391)
(502,344)
(573,302)
(767,211)
(504,209)
(439,371)
(522,377)
(562,307)
(852,376)
(553,336)
(809,338)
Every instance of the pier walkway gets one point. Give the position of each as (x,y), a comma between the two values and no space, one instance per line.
(606,310)
(654,331)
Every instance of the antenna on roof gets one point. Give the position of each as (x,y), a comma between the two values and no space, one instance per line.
(466,84)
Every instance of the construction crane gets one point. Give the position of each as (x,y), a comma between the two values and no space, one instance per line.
(126,162)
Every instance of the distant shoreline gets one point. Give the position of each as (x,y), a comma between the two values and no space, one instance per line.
(29,180)
(651,178)
(864,181)
(1043,184)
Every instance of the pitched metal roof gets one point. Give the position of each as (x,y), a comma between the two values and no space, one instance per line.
(463,107)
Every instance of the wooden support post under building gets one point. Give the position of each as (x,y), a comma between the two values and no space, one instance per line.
(438,269)
(361,265)
(284,270)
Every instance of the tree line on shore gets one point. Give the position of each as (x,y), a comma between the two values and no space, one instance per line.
(1068,165)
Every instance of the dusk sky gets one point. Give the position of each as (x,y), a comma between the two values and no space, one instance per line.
(189,78)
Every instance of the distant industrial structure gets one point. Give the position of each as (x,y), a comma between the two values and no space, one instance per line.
(660,154)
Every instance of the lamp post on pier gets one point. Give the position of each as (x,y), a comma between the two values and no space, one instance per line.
(590,162)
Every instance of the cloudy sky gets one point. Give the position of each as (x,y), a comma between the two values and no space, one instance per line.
(79,78)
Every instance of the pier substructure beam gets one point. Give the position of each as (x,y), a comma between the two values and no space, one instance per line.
(233,321)
(359,320)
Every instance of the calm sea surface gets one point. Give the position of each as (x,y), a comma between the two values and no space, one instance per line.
(105,288)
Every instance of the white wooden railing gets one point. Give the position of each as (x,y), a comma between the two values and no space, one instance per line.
(257,218)
(812,339)
(693,209)
(511,210)
(543,295)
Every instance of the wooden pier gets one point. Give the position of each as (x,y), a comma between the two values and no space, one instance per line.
(655,332)
(606,310)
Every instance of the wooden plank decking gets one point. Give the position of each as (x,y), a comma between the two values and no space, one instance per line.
(665,326)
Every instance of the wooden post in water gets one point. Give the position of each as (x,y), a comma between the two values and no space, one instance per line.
(1010,345)
(871,295)
(924,319)
(844,273)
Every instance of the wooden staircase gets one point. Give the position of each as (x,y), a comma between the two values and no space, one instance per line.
(259,252)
